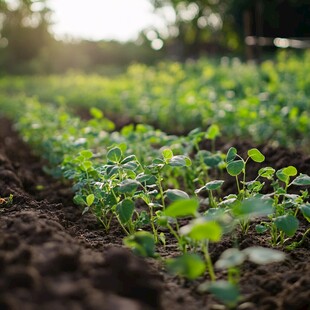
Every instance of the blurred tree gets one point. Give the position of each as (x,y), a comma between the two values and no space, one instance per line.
(23,32)
(201,23)
(198,23)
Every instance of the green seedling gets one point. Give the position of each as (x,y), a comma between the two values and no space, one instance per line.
(210,187)
(236,165)
(227,291)
(142,243)
(283,222)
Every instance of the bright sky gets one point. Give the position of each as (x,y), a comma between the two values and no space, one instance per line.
(101,19)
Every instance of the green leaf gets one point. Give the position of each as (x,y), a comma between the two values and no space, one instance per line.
(212,132)
(256,155)
(79,200)
(203,230)
(305,209)
(167,154)
(213,185)
(282,176)
(231,154)
(190,266)
(90,199)
(234,168)
(124,210)
(87,154)
(253,207)
(259,228)
(114,155)
(262,256)
(230,258)
(87,165)
(128,186)
(290,171)
(142,243)
(287,223)
(224,291)
(302,180)
(146,178)
(180,161)
(96,113)
(176,194)
(181,208)
(128,159)
(266,172)
(212,160)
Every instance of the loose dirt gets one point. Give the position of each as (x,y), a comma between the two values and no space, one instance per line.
(52,257)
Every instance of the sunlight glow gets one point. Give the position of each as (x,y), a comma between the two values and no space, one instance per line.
(101,19)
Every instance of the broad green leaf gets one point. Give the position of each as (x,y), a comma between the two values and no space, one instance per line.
(87,154)
(253,207)
(181,208)
(305,209)
(87,165)
(212,132)
(96,113)
(231,154)
(213,185)
(254,186)
(290,171)
(262,256)
(124,210)
(282,176)
(180,161)
(146,178)
(234,168)
(128,186)
(224,291)
(158,161)
(261,228)
(190,266)
(302,180)
(203,230)
(131,166)
(114,155)
(212,160)
(79,200)
(112,170)
(256,155)
(128,159)
(266,172)
(287,223)
(167,154)
(90,199)
(176,194)
(142,243)
(230,258)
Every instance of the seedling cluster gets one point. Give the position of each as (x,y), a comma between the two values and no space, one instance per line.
(158,187)
(153,186)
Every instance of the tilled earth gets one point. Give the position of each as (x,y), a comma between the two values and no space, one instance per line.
(52,257)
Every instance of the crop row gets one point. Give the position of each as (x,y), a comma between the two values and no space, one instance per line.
(148,182)
(262,102)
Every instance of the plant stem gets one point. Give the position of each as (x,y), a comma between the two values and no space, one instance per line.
(208,261)
(152,223)
(161,191)
(238,186)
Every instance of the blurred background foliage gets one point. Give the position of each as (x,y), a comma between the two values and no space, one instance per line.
(192,29)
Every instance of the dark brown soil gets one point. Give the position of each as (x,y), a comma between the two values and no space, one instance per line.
(51,257)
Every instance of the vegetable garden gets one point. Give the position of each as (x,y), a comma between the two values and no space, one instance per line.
(201,169)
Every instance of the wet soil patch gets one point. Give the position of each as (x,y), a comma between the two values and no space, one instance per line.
(52,257)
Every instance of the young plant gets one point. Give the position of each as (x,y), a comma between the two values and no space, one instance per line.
(236,165)
(228,291)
